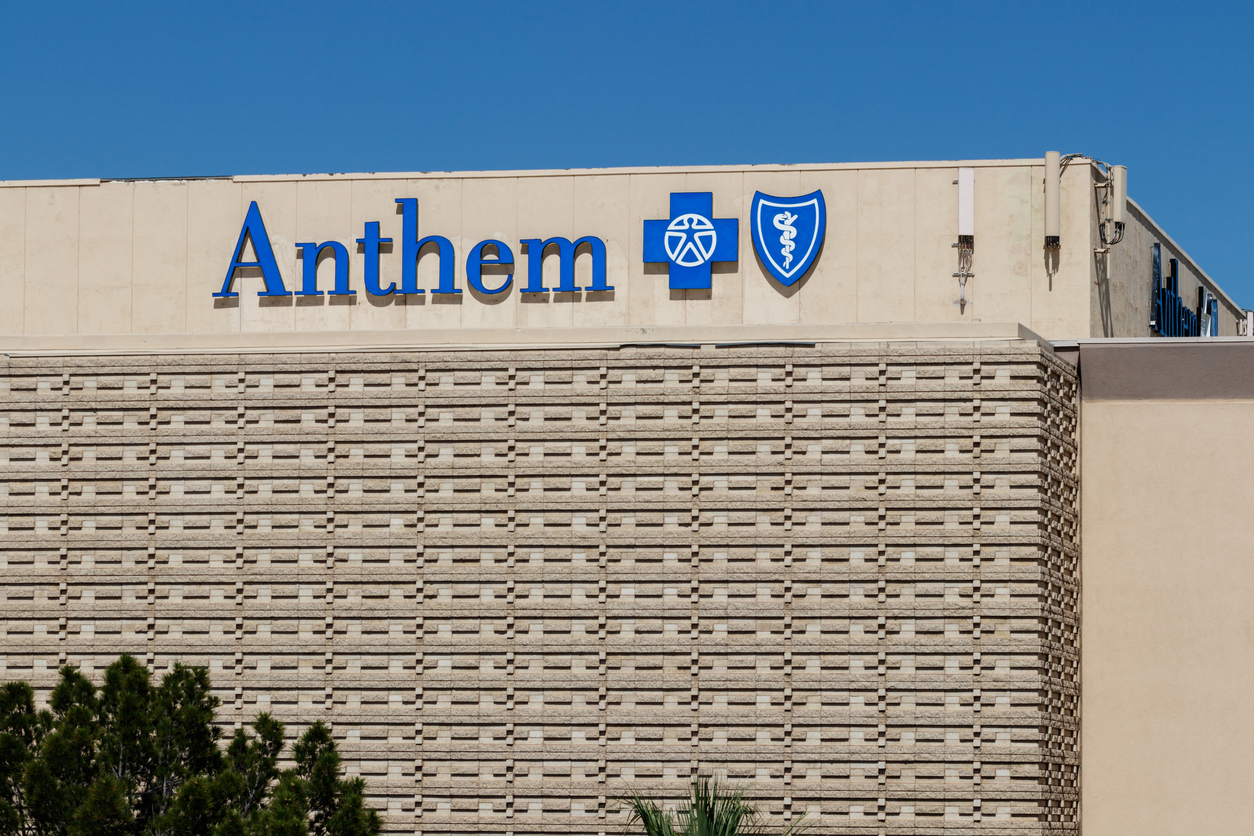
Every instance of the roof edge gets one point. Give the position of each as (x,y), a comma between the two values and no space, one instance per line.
(494,339)
(541,172)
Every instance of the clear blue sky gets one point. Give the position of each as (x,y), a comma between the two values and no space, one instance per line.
(176,89)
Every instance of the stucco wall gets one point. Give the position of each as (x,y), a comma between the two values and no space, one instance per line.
(1167,636)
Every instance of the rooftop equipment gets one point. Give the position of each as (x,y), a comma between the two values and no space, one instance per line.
(1114,201)
(1053,212)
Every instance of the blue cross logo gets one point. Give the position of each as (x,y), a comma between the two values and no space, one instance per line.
(691,240)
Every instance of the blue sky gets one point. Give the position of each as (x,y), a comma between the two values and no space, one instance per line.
(173,89)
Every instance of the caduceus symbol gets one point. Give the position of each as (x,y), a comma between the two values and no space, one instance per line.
(783,221)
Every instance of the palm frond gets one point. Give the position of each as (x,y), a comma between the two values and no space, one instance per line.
(713,809)
(654,820)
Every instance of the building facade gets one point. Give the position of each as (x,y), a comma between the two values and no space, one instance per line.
(610,490)
(102,263)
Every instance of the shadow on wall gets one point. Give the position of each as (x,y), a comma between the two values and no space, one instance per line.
(1050,256)
(789,291)
(1102,263)
(1102,269)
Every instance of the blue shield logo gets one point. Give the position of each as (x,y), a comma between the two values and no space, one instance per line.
(788,233)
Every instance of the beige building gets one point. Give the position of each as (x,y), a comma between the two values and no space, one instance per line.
(530,551)
(90,259)
(1167,647)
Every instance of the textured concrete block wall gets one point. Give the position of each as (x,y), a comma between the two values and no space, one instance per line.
(521,584)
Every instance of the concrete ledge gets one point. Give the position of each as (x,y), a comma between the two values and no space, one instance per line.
(464,339)
(1162,369)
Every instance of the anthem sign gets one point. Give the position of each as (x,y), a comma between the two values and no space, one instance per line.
(689,243)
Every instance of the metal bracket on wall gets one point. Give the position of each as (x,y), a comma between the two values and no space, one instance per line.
(965,252)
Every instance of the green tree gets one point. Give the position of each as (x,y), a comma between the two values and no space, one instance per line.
(336,807)
(134,759)
(62,765)
(19,732)
(713,809)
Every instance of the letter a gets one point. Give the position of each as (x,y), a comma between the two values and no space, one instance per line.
(255,230)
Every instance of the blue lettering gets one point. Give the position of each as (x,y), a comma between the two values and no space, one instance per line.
(371,242)
(411,251)
(255,230)
(309,279)
(1171,317)
(476,259)
(490,253)
(567,251)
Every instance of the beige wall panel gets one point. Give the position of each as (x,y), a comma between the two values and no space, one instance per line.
(159,287)
(490,209)
(602,202)
(830,293)
(1061,303)
(766,300)
(51,295)
(936,289)
(439,213)
(1100,324)
(1040,263)
(886,245)
(106,242)
(650,299)
(1126,277)
(324,212)
(1168,592)
(1003,244)
(12,259)
(215,214)
(723,304)
(545,209)
(886,257)
(1230,319)
(375,200)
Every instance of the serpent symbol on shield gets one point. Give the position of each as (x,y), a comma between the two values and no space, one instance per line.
(784,221)
(788,233)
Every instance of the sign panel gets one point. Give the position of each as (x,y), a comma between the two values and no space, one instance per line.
(787,232)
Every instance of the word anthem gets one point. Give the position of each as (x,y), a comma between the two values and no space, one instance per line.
(488,253)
